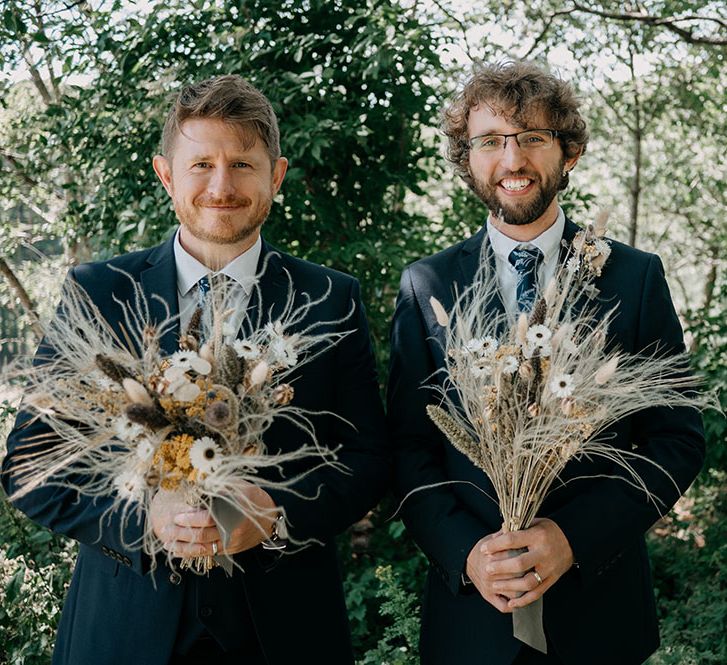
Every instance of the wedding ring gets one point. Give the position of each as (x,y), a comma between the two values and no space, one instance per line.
(215,548)
(537,577)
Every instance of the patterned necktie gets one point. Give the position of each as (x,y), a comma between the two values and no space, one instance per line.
(526,262)
(203,288)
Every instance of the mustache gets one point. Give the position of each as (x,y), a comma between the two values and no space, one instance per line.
(232,201)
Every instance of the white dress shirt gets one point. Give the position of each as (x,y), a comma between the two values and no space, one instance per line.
(547,242)
(241,271)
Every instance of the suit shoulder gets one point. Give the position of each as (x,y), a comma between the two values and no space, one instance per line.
(131,262)
(303,272)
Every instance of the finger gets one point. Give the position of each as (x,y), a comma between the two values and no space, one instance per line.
(516,586)
(512,540)
(499,603)
(190,534)
(529,597)
(196,518)
(513,566)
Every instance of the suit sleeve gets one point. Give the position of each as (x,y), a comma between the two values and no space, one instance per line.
(63,510)
(343,498)
(440,524)
(611,514)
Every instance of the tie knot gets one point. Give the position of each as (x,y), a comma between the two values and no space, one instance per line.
(525,259)
(203,284)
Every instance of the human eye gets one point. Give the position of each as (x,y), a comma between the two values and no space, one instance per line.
(487,142)
(240,165)
(534,139)
(201,165)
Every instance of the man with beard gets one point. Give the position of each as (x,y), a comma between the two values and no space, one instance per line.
(221,165)
(515,134)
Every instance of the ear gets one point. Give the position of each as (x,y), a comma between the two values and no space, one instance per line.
(163,169)
(569,164)
(281,166)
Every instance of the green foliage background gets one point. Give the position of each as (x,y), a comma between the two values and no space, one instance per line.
(357,87)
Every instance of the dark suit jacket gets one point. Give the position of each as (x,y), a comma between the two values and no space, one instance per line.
(113,615)
(602,612)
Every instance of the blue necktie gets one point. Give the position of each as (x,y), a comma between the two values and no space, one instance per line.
(526,262)
(203,288)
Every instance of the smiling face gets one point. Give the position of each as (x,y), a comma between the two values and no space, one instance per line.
(519,187)
(222,185)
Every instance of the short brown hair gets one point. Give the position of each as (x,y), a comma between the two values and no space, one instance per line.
(229,98)
(518,90)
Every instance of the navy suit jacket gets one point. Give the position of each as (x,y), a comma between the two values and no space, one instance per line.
(601,612)
(113,614)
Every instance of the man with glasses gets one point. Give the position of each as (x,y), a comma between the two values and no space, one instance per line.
(515,134)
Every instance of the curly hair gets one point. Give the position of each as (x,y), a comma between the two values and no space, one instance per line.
(518,91)
(229,98)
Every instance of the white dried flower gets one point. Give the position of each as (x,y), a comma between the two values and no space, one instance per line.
(187,392)
(562,385)
(510,365)
(283,351)
(205,454)
(126,430)
(482,346)
(246,350)
(186,360)
(573,264)
(130,485)
(480,368)
(539,335)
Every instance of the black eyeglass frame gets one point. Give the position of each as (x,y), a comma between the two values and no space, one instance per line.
(554,132)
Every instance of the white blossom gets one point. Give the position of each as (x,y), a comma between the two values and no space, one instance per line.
(205,454)
(246,350)
(562,385)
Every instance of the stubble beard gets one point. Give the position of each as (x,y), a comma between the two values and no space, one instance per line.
(233,233)
(520,213)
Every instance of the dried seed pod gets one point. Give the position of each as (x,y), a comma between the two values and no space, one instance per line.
(537,316)
(218,414)
(148,416)
(112,369)
(283,394)
(152,477)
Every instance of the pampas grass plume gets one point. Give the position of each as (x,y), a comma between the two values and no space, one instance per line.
(137,393)
(606,371)
(439,312)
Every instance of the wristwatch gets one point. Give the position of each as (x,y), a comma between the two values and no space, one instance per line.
(278,536)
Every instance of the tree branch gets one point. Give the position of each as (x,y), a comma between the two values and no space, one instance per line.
(670,23)
(462,27)
(545,29)
(22,295)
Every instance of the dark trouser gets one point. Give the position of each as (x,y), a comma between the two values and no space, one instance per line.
(528,656)
(206,651)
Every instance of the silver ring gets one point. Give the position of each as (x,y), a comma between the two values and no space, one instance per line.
(215,549)
(537,576)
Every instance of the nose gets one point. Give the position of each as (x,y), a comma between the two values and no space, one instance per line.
(512,157)
(221,184)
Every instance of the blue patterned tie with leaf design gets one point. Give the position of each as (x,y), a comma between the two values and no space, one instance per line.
(526,262)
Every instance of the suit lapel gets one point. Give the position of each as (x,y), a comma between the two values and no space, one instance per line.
(270,292)
(159,283)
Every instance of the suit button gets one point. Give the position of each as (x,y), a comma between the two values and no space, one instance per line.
(175,578)
(205,612)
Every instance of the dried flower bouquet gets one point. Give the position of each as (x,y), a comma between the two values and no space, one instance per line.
(128,421)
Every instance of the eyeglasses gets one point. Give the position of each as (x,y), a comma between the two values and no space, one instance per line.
(530,139)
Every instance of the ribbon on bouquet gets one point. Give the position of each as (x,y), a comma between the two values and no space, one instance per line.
(527,622)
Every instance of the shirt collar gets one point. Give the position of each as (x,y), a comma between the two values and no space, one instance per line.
(547,242)
(242,269)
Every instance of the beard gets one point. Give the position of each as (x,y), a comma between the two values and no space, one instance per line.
(229,229)
(519,213)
